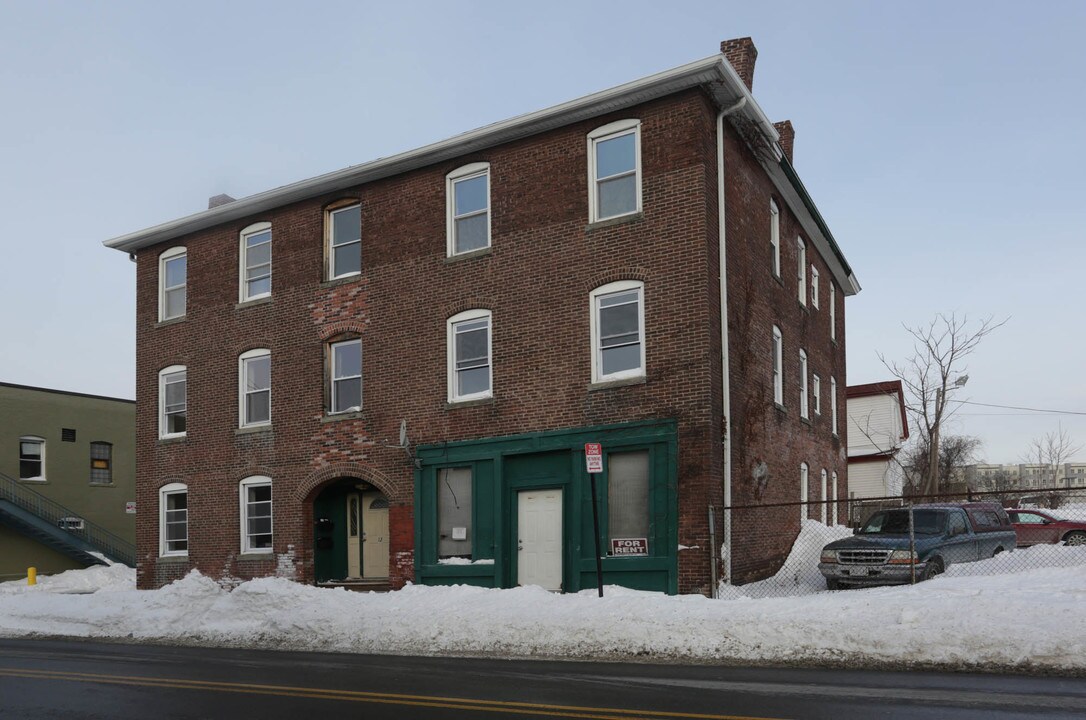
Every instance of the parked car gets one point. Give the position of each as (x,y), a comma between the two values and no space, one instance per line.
(945,533)
(1034,527)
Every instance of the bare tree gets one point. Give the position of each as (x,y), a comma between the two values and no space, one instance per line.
(1051,451)
(1001,482)
(955,452)
(936,366)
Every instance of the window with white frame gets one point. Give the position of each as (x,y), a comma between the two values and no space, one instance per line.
(254,388)
(618,331)
(833,479)
(32,458)
(803,406)
(101,463)
(801,270)
(824,498)
(256,262)
(775,237)
(814,287)
(467,193)
(173,519)
(172,401)
(256,514)
(816,394)
(804,490)
(778,366)
(833,403)
(614,170)
(172,283)
(833,311)
(343,225)
(469,356)
(345,358)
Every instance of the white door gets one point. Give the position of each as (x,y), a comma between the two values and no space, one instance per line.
(539,546)
(354,536)
(374,535)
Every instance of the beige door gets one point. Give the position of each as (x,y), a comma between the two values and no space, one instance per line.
(539,546)
(374,535)
(354,535)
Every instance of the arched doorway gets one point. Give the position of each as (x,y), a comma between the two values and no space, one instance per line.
(350,533)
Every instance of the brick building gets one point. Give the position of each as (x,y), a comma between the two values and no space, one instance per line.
(389,372)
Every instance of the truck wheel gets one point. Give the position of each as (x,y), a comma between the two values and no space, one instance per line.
(997,551)
(1075,538)
(935,567)
(833,584)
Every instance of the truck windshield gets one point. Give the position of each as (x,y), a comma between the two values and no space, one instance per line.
(896,522)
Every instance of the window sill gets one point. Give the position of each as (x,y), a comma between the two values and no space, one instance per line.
(481,252)
(806,421)
(803,307)
(621,382)
(172,439)
(253,555)
(173,558)
(253,429)
(102,485)
(336,417)
(171,321)
(454,404)
(252,303)
(778,278)
(610,222)
(780,408)
(34,481)
(336,282)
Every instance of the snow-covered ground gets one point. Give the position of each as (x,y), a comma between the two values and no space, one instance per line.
(991,614)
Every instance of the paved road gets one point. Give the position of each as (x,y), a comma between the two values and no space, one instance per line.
(72,679)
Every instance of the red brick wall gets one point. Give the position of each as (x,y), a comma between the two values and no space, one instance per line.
(536,281)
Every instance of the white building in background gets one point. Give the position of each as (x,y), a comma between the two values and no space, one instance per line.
(1024,476)
(877,429)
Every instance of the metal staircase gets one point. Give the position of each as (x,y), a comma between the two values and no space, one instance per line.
(29,512)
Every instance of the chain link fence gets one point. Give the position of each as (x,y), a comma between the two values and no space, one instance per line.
(780,549)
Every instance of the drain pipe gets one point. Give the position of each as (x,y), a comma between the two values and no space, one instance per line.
(724,359)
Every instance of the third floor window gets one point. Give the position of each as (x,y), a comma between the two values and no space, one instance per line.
(256,262)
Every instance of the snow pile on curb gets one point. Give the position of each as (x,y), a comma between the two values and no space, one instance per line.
(99,578)
(800,574)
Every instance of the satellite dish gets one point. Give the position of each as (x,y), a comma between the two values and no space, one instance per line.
(403,433)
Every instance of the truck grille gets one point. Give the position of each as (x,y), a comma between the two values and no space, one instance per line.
(863,557)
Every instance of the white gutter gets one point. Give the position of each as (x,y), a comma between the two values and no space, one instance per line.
(725,360)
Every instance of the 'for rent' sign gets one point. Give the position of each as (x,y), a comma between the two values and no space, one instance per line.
(630,546)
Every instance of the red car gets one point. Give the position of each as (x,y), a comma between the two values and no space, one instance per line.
(1034,527)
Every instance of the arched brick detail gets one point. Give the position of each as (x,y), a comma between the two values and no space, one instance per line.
(254,470)
(262,344)
(476,302)
(341,327)
(352,470)
(614,275)
(163,482)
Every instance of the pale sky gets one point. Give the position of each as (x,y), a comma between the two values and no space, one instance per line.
(943,143)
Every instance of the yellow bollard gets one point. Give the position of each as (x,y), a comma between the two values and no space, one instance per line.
(31,576)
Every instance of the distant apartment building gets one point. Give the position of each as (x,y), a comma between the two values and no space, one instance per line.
(1024,476)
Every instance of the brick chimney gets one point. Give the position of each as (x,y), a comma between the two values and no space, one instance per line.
(742,54)
(788,137)
(217,200)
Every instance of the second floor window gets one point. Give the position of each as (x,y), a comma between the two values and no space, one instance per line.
(469,356)
(172,283)
(173,401)
(778,366)
(255,388)
(816,393)
(346,388)
(803,400)
(344,228)
(618,331)
(31,458)
(614,168)
(101,458)
(814,287)
(256,261)
(468,192)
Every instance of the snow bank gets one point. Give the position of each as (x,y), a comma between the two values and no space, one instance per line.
(99,578)
(799,575)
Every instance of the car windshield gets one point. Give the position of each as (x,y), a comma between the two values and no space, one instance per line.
(896,522)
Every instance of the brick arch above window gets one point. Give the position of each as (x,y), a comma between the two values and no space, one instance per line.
(341,328)
(259,344)
(605,277)
(341,202)
(476,302)
(170,480)
(308,488)
(252,471)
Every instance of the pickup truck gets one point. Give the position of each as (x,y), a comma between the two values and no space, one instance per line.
(945,533)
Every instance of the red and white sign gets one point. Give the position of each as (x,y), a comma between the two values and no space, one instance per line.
(593,457)
(130,508)
(630,546)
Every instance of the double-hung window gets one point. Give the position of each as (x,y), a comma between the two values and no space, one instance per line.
(833,404)
(346,360)
(469,356)
(803,399)
(833,491)
(816,393)
(775,237)
(344,228)
(173,519)
(467,192)
(614,170)
(256,514)
(172,401)
(814,287)
(778,366)
(256,262)
(801,270)
(172,283)
(101,463)
(825,505)
(804,491)
(833,311)
(254,391)
(32,458)
(618,331)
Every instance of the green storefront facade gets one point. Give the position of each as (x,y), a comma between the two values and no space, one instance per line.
(507,511)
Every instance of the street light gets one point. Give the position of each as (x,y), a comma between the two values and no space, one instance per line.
(933,459)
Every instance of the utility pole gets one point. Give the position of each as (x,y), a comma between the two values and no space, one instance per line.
(933,451)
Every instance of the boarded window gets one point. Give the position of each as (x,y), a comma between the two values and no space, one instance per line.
(628,494)
(101,457)
(454,512)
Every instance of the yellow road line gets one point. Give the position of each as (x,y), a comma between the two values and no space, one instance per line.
(571,711)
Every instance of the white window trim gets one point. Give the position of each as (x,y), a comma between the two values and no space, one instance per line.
(804,498)
(330,252)
(450,345)
(833,311)
(163,492)
(833,403)
(814,287)
(594,325)
(332,377)
(40,441)
(834,478)
(466,172)
(243,513)
(608,132)
(775,236)
(162,424)
(243,286)
(816,394)
(804,407)
(171,254)
(249,355)
(778,366)
(801,270)
(825,506)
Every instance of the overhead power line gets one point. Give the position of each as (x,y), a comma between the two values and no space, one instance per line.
(1015,407)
